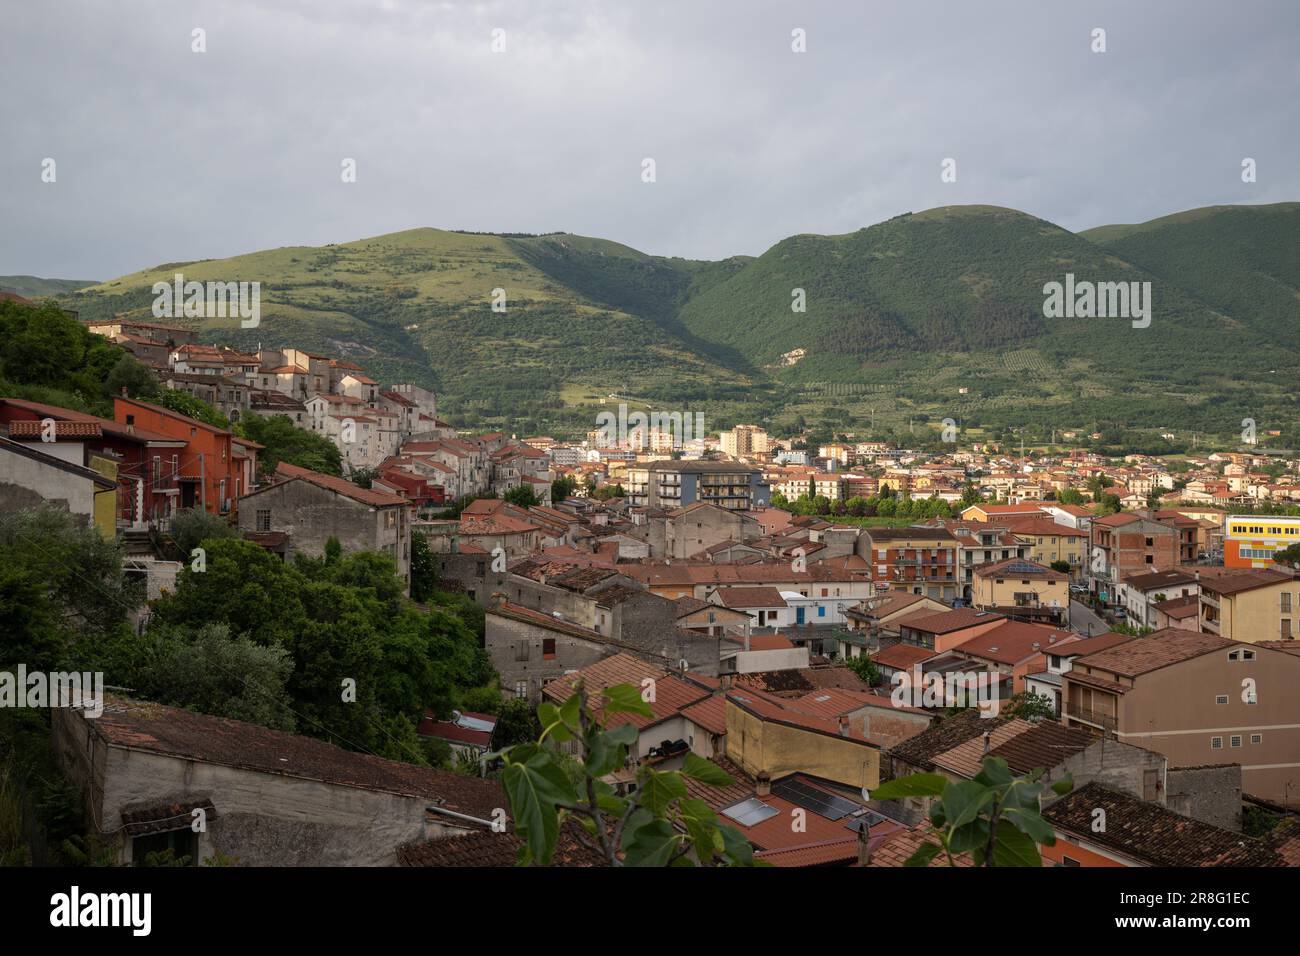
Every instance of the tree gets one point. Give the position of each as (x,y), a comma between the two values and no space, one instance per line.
(1071,496)
(285,441)
(212,672)
(1289,555)
(1027,705)
(658,824)
(424,568)
(994,817)
(129,374)
(522,496)
(1061,566)
(516,724)
(866,669)
(192,526)
(187,404)
(63,596)
(563,487)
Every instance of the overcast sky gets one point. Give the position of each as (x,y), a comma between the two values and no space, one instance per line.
(165,154)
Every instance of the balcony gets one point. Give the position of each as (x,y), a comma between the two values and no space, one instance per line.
(1094,717)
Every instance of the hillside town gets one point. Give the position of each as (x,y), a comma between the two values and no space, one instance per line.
(1125,627)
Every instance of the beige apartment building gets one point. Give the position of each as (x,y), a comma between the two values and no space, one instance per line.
(1250,606)
(1199,699)
(745,440)
(1017,584)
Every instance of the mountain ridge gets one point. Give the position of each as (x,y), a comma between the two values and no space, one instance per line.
(897,313)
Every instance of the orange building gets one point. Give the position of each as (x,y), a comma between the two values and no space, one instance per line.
(210,472)
(1249,541)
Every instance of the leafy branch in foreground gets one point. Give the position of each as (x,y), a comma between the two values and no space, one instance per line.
(994,817)
(657,825)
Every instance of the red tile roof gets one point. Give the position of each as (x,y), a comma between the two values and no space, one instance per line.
(154,728)
(340,486)
(1014,641)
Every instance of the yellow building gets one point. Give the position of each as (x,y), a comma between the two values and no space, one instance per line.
(764,737)
(1252,606)
(1049,541)
(1016,582)
(105,498)
(1249,541)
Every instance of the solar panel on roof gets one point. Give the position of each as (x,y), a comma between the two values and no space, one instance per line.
(866,821)
(1021,567)
(750,812)
(810,798)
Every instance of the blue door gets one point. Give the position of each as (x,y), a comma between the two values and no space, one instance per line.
(798,616)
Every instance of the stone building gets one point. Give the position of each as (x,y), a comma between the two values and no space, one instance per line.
(156,778)
(310,508)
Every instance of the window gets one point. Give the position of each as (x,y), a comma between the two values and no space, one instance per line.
(521,688)
(1068,861)
(548,651)
(1216,743)
(821,611)
(1234,740)
(1256,738)
(1221,699)
(264,519)
(521,650)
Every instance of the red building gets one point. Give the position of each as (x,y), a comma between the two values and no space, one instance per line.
(87,440)
(212,470)
(420,491)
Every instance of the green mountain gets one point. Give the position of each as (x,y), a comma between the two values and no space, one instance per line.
(34,287)
(1243,261)
(926,316)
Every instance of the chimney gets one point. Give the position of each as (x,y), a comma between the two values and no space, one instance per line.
(844,726)
(763,784)
(986,741)
(864,846)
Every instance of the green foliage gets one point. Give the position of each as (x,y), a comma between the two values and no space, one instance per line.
(994,817)
(127,373)
(190,527)
(424,568)
(1288,555)
(285,441)
(658,825)
(339,620)
(866,669)
(523,496)
(566,486)
(187,404)
(1062,567)
(47,348)
(1028,706)
(210,671)
(516,724)
(63,599)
